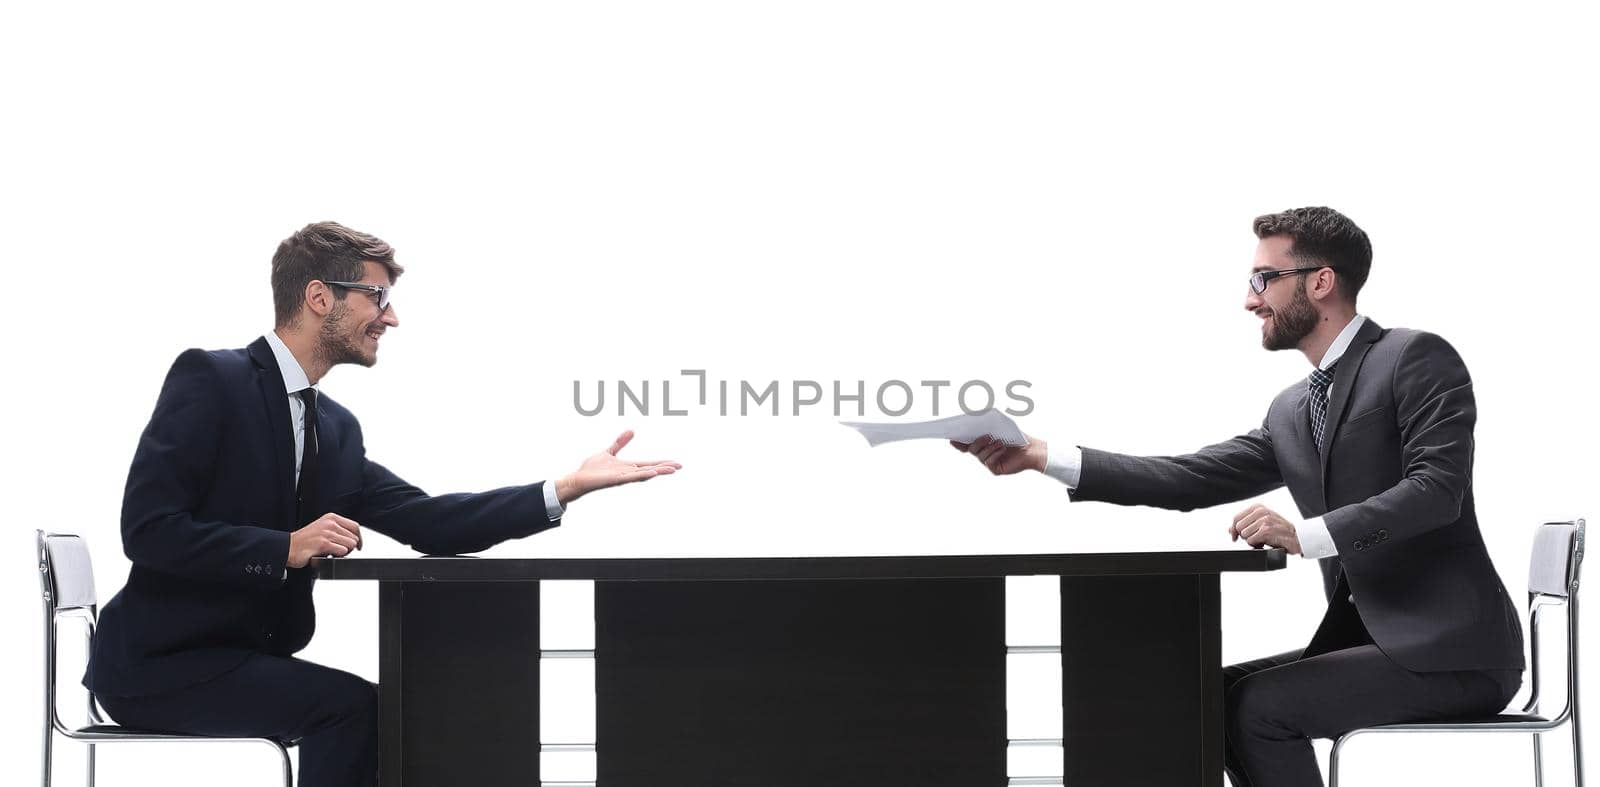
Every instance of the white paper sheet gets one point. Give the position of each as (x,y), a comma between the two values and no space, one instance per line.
(961,428)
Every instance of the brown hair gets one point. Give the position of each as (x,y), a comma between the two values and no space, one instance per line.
(324,251)
(1326,237)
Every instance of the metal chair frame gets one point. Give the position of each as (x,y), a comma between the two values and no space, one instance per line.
(1531,722)
(69,596)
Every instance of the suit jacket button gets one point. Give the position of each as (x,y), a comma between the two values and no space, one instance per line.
(1360,546)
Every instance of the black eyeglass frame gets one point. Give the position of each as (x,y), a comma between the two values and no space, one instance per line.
(382,293)
(1260,279)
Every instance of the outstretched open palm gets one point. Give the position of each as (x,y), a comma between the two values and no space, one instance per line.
(606,469)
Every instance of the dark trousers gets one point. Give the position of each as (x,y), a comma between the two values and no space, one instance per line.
(332,714)
(1276,705)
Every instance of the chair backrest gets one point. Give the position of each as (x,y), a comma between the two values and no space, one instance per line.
(1557,557)
(65,574)
(66,579)
(1553,582)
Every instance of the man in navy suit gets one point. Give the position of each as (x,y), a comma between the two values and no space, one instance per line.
(246,473)
(1376,449)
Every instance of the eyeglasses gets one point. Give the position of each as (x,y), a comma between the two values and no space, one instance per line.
(1259,279)
(379,294)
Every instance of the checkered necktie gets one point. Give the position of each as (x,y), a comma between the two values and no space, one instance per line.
(1318,384)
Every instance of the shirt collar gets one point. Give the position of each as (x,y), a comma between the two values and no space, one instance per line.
(294,377)
(1342,342)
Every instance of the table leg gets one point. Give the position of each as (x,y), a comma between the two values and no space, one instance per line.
(1141,668)
(459,684)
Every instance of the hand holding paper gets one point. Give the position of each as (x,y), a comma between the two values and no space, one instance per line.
(1002,459)
(991,436)
(962,428)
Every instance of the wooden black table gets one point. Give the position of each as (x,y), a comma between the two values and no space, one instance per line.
(812,671)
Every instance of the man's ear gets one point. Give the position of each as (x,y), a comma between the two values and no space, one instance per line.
(318,298)
(1324,284)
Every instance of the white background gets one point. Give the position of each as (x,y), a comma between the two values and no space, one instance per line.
(1054,192)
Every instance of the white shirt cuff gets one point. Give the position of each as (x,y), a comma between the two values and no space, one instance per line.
(1315,540)
(1065,465)
(552,505)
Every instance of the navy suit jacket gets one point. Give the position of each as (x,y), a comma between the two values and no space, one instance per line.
(1393,483)
(207,513)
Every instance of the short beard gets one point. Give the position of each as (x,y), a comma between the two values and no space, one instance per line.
(334,345)
(1293,322)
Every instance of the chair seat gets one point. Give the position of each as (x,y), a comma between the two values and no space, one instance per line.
(1501,720)
(112,732)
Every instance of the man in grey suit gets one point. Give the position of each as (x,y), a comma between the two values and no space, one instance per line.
(1376,449)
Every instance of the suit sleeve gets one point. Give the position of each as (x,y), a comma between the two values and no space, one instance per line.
(1435,411)
(451,524)
(1232,470)
(168,480)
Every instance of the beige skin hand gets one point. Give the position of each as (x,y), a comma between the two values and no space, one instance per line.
(1260,526)
(1002,459)
(329,534)
(604,470)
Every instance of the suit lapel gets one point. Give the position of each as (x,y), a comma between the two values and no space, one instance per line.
(1302,434)
(1302,421)
(269,380)
(1344,379)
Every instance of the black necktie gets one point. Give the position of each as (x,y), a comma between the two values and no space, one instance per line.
(1319,382)
(307,492)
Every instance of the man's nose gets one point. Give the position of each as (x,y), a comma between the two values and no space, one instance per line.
(1252,300)
(390,317)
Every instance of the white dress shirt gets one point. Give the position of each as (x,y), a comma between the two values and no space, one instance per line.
(295,381)
(1066,464)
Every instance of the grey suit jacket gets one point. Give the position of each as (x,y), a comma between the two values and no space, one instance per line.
(1394,485)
